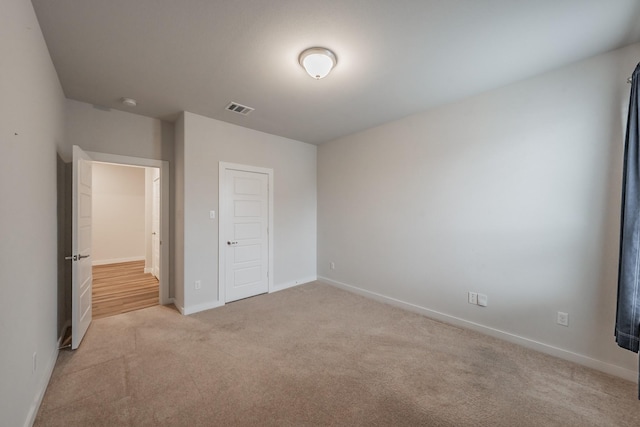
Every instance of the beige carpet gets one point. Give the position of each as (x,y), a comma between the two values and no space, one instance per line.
(316,355)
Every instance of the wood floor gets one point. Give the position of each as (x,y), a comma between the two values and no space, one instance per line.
(123,287)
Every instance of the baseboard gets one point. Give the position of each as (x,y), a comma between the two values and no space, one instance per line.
(42,386)
(147,270)
(35,406)
(215,304)
(288,285)
(180,308)
(200,307)
(117,260)
(506,336)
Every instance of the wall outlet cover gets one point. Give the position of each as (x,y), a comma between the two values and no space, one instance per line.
(483,300)
(563,318)
(473,298)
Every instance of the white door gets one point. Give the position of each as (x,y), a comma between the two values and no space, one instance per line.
(81,247)
(155,229)
(245,234)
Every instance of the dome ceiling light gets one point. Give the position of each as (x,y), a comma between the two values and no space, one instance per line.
(318,61)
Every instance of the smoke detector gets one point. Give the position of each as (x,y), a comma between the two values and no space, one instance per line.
(129,102)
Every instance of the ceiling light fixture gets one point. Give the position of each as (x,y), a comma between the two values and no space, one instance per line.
(318,61)
(129,102)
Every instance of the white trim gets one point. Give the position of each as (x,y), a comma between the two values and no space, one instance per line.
(200,307)
(148,270)
(294,283)
(215,304)
(118,260)
(165,237)
(178,306)
(506,336)
(42,386)
(222,167)
(125,160)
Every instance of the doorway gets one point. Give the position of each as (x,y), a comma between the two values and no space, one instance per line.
(161,180)
(246,220)
(125,230)
(76,204)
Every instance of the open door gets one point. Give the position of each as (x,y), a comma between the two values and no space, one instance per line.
(81,247)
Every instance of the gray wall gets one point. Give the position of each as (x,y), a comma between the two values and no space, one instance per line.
(513,194)
(205,143)
(95,128)
(103,130)
(31,132)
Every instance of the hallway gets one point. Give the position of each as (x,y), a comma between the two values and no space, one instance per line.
(123,287)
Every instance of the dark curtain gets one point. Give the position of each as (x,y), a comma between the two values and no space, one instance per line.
(628,312)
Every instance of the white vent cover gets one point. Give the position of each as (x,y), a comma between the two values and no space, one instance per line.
(239,108)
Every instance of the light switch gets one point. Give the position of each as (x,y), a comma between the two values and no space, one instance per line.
(212,214)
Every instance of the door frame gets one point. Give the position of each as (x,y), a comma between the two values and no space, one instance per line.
(223,204)
(165,237)
(155,205)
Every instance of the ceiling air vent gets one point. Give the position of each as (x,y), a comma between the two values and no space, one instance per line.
(239,108)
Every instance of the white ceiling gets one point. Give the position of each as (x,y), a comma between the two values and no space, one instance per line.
(395,58)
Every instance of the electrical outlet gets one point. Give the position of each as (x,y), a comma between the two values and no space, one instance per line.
(483,300)
(198,284)
(332,265)
(563,319)
(473,298)
(212,214)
